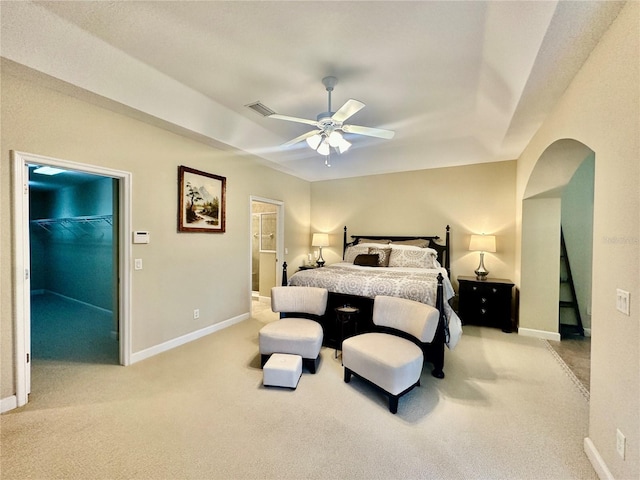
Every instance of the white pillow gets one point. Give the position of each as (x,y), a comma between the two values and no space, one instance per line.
(353,251)
(410,257)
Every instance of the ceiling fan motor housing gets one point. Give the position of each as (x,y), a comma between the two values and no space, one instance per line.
(329,83)
(324,119)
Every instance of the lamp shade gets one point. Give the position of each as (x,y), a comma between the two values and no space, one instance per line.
(320,240)
(482,243)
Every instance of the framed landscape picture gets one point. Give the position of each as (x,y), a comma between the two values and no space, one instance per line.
(201,201)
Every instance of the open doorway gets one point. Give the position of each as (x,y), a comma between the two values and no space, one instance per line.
(559,199)
(74,266)
(266,247)
(70,246)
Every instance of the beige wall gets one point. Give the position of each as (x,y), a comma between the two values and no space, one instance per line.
(182,271)
(540,287)
(471,199)
(601,109)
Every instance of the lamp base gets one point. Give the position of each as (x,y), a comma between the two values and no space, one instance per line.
(481,275)
(320,260)
(481,272)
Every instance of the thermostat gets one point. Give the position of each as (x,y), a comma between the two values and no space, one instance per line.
(141,237)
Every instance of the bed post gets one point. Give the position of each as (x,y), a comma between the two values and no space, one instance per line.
(447,260)
(284,274)
(439,340)
(344,241)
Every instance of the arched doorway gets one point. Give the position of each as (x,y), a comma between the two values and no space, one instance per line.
(541,220)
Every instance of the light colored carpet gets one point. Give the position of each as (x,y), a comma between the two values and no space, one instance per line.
(506,410)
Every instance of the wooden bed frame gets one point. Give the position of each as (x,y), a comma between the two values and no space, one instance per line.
(443,250)
(434,351)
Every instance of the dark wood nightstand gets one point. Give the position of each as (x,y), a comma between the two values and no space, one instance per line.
(307,267)
(485,302)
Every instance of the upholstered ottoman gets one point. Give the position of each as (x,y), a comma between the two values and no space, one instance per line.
(282,370)
(392,363)
(295,336)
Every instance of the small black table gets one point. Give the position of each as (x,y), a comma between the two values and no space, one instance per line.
(486,302)
(346,318)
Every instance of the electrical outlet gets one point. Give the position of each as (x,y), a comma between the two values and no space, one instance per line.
(196,314)
(621,442)
(622,301)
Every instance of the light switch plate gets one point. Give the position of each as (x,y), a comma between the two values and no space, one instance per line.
(137,264)
(622,301)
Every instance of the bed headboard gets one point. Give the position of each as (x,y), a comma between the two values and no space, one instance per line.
(443,250)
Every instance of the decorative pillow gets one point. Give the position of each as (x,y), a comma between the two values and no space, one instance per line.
(353,251)
(383,255)
(367,260)
(372,240)
(423,258)
(405,247)
(418,242)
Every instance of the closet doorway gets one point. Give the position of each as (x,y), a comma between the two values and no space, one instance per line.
(74,266)
(71,223)
(266,247)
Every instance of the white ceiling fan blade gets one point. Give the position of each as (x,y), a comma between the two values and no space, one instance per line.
(302,137)
(351,107)
(369,131)
(294,119)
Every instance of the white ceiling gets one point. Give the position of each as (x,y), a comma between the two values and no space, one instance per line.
(460,82)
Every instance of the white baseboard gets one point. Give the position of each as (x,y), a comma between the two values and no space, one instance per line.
(596,460)
(529,332)
(587,332)
(189,337)
(266,300)
(8,403)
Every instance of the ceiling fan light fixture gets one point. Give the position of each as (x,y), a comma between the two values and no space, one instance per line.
(343,146)
(314,141)
(335,138)
(324,148)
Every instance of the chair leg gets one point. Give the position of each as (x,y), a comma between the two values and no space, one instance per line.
(311,364)
(393,403)
(347,375)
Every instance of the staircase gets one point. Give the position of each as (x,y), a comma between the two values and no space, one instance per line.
(569,314)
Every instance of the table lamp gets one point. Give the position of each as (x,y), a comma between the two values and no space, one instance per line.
(482,243)
(320,240)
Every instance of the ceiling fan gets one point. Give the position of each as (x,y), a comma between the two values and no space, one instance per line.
(329,124)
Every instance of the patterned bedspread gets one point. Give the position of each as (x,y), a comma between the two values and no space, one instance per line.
(412,283)
(416,284)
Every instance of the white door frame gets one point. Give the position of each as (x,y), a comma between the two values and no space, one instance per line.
(22,294)
(279,235)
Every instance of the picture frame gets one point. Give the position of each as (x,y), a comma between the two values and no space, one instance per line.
(201,201)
